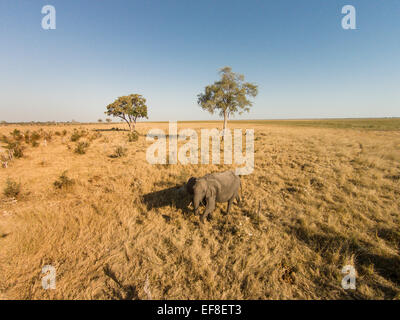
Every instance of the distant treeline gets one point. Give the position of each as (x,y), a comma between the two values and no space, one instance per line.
(387,123)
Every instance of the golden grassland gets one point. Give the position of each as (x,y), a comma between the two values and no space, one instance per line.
(319,198)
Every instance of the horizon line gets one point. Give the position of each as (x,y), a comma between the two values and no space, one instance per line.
(230,120)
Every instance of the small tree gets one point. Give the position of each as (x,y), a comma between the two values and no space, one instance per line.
(228,95)
(100,120)
(128,109)
(108,120)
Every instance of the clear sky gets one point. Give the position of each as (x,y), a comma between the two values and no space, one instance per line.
(305,63)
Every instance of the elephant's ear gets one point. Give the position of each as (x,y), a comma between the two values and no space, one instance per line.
(190,184)
(211,190)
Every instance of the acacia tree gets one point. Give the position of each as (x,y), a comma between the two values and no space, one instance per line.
(228,95)
(128,109)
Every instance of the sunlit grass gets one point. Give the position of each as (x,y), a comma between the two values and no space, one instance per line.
(318,199)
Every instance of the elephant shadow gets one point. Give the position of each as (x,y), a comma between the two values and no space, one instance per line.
(170,197)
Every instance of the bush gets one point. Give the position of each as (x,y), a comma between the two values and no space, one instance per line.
(63,181)
(133,136)
(119,152)
(27,136)
(12,189)
(75,136)
(47,135)
(4,138)
(95,136)
(34,138)
(16,149)
(17,135)
(81,147)
(35,135)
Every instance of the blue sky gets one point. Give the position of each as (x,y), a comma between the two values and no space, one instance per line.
(305,64)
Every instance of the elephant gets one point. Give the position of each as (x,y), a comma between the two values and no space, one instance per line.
(213,188)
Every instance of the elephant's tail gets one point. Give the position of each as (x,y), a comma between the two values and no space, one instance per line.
(241,191)
(240,197)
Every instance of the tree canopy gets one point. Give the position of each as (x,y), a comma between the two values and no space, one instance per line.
(228,95)
(129,109)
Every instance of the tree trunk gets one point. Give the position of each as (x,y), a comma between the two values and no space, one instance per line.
(129,124)
(225,123)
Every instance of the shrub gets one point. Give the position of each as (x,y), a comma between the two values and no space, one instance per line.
(47,135)
(4,138)
(35,135)
(16,149)
(64,132)
(17,135)
(133,136)
(119,152)
(81,147)
(34,138)
(27,136)
(95,136)
(75,136)
(12,189)
(63,181)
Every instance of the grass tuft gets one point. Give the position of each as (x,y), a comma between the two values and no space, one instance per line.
(12,189)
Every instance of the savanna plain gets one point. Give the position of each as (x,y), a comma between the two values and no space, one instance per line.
(84,199)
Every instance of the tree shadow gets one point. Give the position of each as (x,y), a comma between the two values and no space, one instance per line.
(112,129)
(391,236)
(168,136)
(327,241)
(127,292)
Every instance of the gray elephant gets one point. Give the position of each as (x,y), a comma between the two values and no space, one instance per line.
(213,188)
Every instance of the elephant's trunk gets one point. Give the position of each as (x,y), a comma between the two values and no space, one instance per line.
(196,202)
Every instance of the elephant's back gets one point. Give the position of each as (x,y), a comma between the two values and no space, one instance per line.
(228,183)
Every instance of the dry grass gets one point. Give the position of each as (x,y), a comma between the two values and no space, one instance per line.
(319,198)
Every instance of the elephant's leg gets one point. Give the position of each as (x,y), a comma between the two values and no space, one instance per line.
(209,208)
(230,201)
(237,198)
